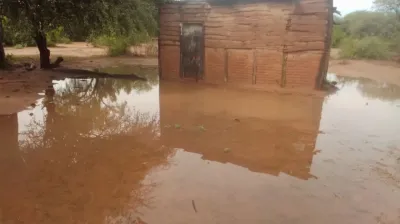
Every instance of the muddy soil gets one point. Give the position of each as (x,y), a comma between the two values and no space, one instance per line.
(382,71)
(120,151)
(104,150)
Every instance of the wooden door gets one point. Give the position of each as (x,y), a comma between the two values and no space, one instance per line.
(192,50)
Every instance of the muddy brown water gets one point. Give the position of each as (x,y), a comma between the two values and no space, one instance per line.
(117,151)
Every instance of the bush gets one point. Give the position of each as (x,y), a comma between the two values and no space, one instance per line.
(395,43)
(19,46)
(365,48)
(17,32)
(57,36)
(337,36)
(118,45)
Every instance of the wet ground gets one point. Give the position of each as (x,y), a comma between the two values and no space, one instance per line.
(119,151)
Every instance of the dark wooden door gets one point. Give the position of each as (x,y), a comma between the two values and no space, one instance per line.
(192,48)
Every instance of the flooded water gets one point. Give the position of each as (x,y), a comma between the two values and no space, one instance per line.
(119,151)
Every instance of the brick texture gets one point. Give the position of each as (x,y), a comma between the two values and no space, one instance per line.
(255,35)
(240,66)
(170,61)
(302,69)
(214,65)
(268,67)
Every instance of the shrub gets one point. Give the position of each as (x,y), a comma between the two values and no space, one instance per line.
(365,48)
(101,41)
(57,35)
(17,32)
(19,46)
(395,43)
(348,48)
(337,36)
(118,45)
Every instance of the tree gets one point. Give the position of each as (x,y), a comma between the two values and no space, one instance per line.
(45,15)
(109,17)
(2,53)
(388,6)
(362,24)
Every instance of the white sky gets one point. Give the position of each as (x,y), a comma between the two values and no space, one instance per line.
(347,6)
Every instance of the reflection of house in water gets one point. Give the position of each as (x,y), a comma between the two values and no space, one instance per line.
(263,132)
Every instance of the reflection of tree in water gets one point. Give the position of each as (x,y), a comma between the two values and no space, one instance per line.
(88,108)
(372,89)
(97,152)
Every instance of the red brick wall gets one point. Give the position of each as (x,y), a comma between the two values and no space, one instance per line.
(302,69)
(240,66)
(170,62)
(254,37)
(214,65)
(268,67)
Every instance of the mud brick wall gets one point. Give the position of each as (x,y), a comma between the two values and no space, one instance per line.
(269,43)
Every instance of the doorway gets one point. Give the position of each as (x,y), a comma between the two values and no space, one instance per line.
(192,50)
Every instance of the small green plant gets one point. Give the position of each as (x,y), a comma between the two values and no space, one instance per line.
(177,126)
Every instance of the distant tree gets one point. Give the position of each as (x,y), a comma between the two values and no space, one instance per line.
(362,24)
(388,6)
(2,53)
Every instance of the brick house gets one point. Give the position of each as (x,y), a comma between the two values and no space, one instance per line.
(259,43)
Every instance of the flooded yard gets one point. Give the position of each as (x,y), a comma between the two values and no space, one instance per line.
(120,151)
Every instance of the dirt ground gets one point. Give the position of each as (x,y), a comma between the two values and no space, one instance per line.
(77,49)
(83,50)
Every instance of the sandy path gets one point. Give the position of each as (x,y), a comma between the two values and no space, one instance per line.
(76,49)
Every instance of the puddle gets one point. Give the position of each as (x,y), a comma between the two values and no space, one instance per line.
(120,151)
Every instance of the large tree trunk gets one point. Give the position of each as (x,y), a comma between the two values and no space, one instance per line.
(41,43)
(2,53)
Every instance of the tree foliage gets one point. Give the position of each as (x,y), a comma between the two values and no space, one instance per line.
(367,34)
(79,20)
(388,6)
